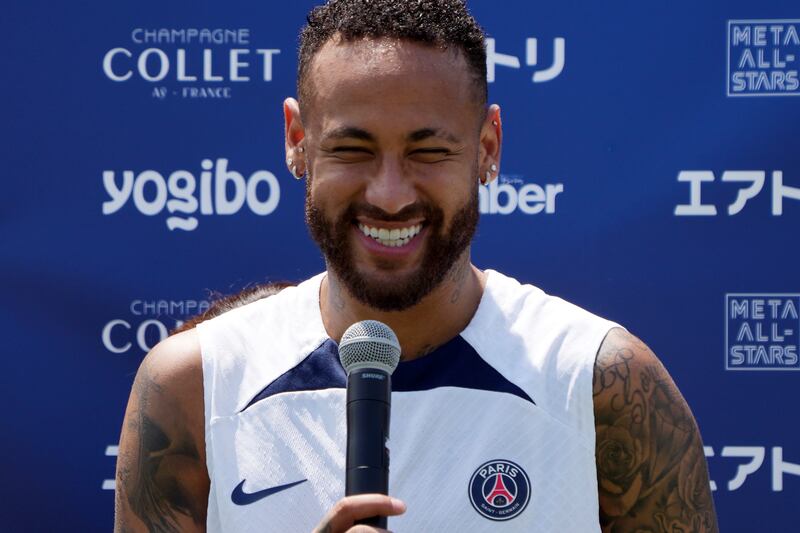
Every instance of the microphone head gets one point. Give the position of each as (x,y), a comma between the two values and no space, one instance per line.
(369,344)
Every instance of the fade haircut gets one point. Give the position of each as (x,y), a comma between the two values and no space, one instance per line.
(444,24)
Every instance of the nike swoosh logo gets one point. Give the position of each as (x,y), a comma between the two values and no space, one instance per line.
(240,497)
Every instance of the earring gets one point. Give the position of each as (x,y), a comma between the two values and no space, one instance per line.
(494,123)
(301,149)
(289,161)
(295,174)
(493,167)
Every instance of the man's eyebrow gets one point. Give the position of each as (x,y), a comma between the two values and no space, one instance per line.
(424,133)
(352,132)
(349,132)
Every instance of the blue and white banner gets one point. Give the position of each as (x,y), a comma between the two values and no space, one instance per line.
(650,173)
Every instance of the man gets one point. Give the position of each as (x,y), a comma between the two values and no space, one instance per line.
(511,409)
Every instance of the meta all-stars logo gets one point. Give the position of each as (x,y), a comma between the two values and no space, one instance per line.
(763,57)
(499,490)
(189,63)
(762,331)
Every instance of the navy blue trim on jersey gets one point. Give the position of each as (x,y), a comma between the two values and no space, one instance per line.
(453,364)
(321,369)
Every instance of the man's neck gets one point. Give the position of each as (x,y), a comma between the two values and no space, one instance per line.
(438,317)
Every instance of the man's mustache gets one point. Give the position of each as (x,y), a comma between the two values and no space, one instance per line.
(415,210)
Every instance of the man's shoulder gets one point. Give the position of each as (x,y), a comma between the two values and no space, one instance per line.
(624,360)
(247,348)
(514,294)
(289,300)
(169,384)
(620,345)
(174,366)
(271,324)
(533,313)
(540,343)
(174,355)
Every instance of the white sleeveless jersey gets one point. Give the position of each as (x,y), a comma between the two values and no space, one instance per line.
(493,431)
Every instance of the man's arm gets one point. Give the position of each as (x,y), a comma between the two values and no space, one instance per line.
(162,479)
(651,470)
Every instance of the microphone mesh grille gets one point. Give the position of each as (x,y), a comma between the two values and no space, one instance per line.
(369,344)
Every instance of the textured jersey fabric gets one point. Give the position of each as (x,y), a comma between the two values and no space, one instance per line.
(493,431)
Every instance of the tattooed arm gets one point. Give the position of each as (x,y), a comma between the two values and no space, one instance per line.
(651,471)
(162,480)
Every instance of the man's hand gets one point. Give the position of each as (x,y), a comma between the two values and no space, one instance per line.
(346,511)
(651,470)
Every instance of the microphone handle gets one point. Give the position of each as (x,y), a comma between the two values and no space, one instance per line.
(368,406)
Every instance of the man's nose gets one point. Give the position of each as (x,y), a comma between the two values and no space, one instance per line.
(391,188)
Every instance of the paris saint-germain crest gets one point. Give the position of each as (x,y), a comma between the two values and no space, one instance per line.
(499,490)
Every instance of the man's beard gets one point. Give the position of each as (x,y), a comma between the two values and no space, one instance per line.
(443,249)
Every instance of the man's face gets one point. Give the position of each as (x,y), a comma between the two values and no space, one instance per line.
(392,143)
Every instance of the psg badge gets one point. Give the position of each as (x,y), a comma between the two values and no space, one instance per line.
(499,490)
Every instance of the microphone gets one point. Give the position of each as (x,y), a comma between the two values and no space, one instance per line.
(369,352)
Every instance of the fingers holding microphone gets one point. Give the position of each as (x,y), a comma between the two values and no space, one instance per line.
(347,511)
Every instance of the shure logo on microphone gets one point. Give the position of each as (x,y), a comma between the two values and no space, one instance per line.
(510,193)
(371,375)
(218,191)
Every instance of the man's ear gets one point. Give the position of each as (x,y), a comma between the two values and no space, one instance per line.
(490,144)
(295,134)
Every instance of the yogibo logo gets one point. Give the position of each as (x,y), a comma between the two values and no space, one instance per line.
(218,191)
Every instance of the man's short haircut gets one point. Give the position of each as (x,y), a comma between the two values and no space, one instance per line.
(438,23)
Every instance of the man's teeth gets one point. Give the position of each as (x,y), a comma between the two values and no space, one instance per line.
(391,237)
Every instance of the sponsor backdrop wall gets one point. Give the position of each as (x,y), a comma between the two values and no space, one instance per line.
(651,173)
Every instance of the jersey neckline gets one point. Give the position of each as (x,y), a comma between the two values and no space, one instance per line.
(491,278)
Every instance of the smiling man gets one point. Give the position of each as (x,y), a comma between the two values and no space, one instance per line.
(512,409)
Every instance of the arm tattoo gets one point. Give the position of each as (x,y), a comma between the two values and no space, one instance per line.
(651,470)
(150,479)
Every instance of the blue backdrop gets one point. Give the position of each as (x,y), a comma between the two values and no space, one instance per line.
(651,173)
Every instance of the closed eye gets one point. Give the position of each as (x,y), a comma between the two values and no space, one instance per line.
(431,151)
(344,149)
(431,155)
(350,154)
